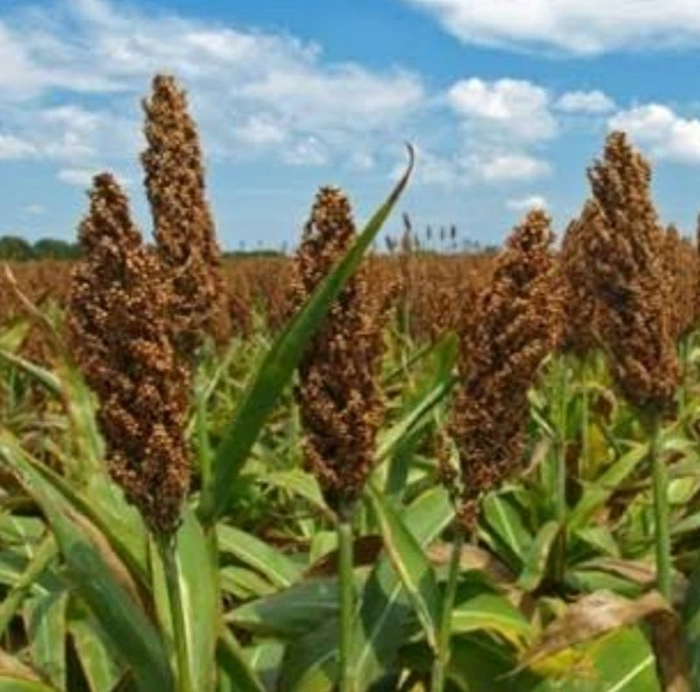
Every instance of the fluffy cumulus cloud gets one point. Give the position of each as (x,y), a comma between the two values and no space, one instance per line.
(503,124)
(503,167)
(13,148)
(571,26)
(516,108)
(586,102)
(525,204)
(661,131)
(254,92)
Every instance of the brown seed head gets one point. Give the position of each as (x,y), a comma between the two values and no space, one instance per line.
(183,225)
(580,334)
(624,252)
(118,326)
(340,402)
(681,273)
(517,323)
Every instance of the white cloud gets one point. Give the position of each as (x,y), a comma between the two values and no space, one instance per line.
(527,203)
(249,89)
(572,26)
(664,133)
(14,148)
(517,108)
(81,177)
(507,167)
(589,102)
(308,151)
(35,209)
(486,167)
(434,170)
(514,167)
(259,131)
(362,160)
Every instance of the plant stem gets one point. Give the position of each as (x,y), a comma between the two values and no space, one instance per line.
(684,352)
(562,402)
(442,658)
(168,555)
(347,602)
(661,514)
(205,451)
(561,507)
(585,422)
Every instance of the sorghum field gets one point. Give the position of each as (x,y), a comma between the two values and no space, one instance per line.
(351,470)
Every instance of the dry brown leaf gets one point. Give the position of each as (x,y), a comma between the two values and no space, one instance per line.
(472,558)
(602,612)
(13,667)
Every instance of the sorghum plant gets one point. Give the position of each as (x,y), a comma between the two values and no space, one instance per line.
(183,224)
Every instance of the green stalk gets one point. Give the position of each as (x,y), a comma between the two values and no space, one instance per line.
(661,513)
(585,422)
(346,581)
(442,659)
(684,351)
(560,506)
(166,545)
(205,451)
(562,403)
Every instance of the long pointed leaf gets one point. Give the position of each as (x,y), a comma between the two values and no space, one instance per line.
(278,366)
(412,566)
(96,581)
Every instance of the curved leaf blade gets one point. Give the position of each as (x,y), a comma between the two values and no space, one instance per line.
(279,364)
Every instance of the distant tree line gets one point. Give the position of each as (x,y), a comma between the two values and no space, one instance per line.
(18,249)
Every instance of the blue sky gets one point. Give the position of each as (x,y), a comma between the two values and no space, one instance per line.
(506,101)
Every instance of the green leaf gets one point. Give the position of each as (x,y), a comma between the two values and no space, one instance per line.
(396,434)
(40,560)
(596,494)
(244,583)
(104,504)
(233,663)
(95,580)
(265,660)
(411,564)
(310,663)
(691,623)
(253,552)
(290,613)
(600,538)
(298,482)
(279,364)
(85,435)
(384,609)
(506,522)
(477,663)
(96,658)
(625,662)
(41,375)
(13,335)
(46,629)
(493,613)
(536,562)
(196,560)
(10,684)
